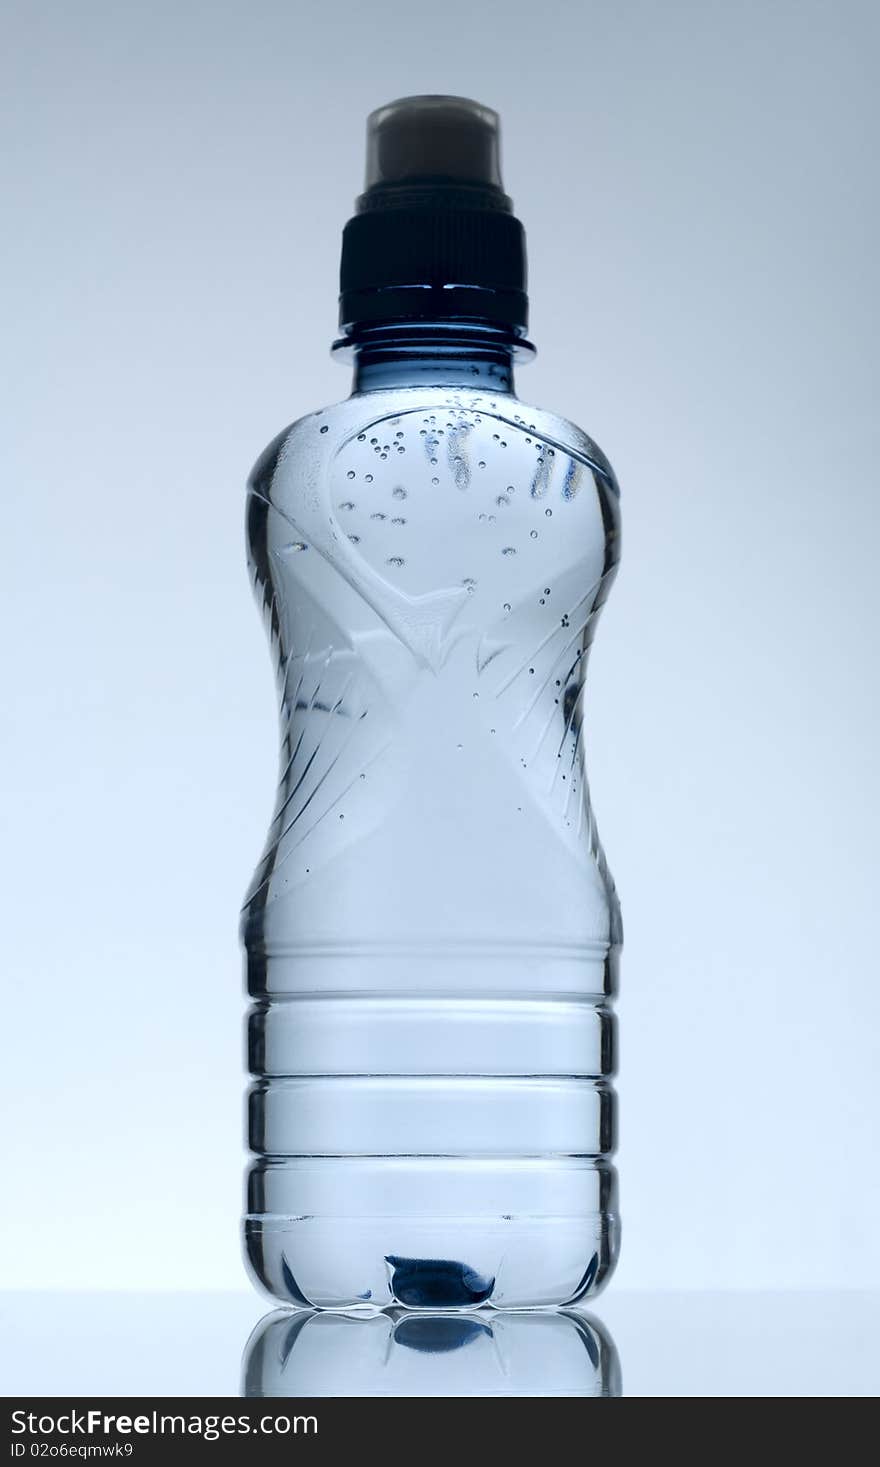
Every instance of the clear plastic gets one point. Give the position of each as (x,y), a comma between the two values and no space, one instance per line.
(433,137)
(432,933)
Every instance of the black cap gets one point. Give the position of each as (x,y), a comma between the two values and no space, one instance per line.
(434,236)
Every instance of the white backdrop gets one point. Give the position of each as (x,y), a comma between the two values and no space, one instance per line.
(698,182)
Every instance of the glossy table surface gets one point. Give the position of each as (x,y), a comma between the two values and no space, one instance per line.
(631,1344)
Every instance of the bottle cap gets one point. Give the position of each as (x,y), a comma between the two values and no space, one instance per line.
(434,236)
(444,139)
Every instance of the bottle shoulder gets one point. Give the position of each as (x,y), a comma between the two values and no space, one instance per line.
(449,413)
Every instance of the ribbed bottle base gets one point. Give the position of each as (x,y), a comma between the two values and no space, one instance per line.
(337,1233)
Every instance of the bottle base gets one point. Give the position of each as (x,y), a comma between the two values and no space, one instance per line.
(449,1264)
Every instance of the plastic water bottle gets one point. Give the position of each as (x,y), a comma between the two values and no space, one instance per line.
(432,933)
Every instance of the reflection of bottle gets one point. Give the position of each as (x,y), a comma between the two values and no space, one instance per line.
(432,932)
(397,1353)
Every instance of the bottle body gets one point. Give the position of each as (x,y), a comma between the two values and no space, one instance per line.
(432,934)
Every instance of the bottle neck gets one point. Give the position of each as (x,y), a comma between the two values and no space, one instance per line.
(473,354)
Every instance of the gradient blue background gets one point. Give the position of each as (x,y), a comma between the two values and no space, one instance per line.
(698,182)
